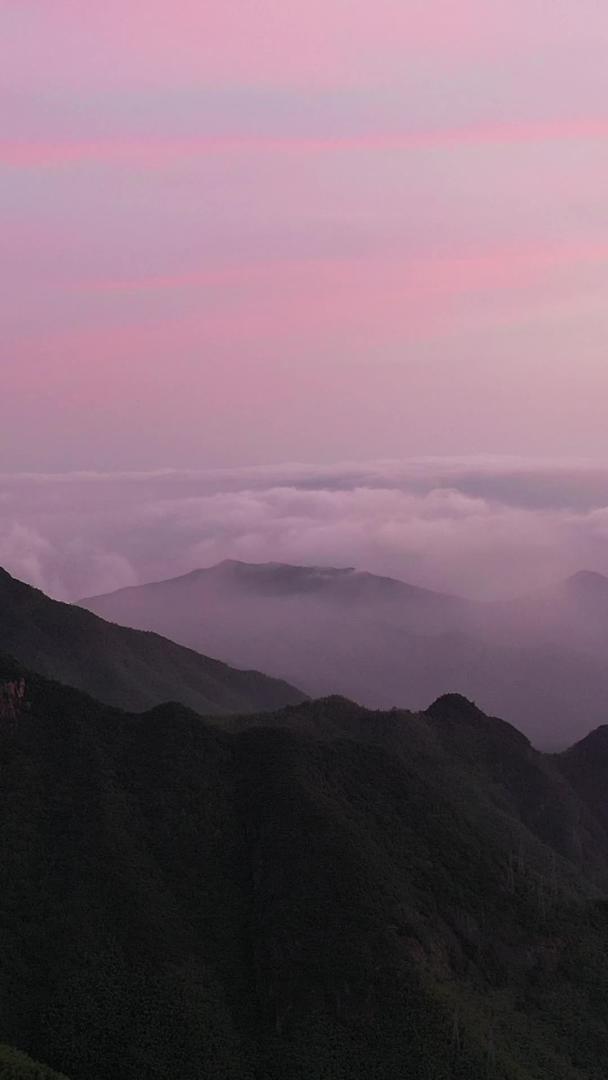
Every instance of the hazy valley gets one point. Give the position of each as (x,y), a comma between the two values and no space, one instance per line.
(539,661)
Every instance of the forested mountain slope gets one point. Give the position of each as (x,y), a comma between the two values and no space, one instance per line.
(16,1066)
(323,892)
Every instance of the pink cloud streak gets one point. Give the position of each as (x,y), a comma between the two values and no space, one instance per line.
(315,217)
(515,267)
(157,151)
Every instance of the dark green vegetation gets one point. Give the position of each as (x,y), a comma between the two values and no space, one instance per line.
(128,668)
(16,1066)
(321,894)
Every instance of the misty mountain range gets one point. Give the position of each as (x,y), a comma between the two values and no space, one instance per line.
(319,891)
(539,661)
(122,667)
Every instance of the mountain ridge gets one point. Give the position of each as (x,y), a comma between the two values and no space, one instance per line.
(130,668)
(325,891)
(329,574)
(386,643)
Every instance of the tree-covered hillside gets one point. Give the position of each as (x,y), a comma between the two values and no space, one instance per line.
(323,892)
(16,1066)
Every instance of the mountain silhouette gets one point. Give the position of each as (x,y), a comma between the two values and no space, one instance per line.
(319,892)
(539,660)
(123,667)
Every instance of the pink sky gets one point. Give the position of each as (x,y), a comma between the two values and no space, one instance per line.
(260,231)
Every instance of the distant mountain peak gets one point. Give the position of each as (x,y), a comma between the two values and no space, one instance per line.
(456,712)
(239,564)
(128,668)
(587,580)
(593,743)
(453,705)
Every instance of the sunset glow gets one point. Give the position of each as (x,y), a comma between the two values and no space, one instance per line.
(310,226)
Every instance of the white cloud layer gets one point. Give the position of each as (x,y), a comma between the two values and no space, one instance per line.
(480,528)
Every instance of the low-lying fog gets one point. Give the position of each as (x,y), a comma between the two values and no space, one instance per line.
(482,529)
(499,542)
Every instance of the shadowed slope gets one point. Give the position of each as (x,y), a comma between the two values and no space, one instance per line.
(16,1066)
(128,668)
(320,892)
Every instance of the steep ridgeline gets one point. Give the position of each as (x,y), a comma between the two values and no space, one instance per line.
(323,892)
(127,668)
(539,661)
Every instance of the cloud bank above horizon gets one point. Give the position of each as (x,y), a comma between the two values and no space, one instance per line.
(266,231)
(483,529)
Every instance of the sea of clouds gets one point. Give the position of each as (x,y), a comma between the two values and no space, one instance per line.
(481,528)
